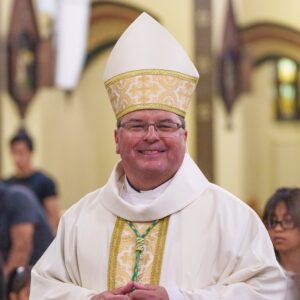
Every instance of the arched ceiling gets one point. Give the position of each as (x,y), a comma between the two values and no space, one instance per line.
(267,40)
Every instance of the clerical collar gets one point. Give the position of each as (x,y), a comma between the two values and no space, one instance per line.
(141,198)
(130,184)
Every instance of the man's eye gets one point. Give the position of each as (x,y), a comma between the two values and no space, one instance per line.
(166,126)
(162,126)
(136,126)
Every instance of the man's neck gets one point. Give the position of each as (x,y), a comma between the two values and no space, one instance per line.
(137,190)
(144,185)
(26,172)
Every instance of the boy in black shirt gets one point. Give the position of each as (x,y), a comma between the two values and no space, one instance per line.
(43,186)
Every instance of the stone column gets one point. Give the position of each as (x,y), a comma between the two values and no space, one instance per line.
(204,91)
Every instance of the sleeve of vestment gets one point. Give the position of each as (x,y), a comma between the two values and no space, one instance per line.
(254,275)
(55,276)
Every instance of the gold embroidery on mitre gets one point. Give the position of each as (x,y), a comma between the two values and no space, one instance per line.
(150,89)
(122,253)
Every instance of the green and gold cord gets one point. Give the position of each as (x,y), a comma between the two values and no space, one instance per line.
(139,246)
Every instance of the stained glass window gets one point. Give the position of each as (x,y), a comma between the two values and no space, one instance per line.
(287,104)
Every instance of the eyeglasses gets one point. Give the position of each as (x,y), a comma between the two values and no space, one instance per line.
(140,128)
(285,224)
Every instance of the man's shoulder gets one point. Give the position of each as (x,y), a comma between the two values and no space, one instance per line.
(9,179)
(227,212)
(17,189)
(37,175)
(41,175)
(21,193)
(225,201)
(224,195)
(84,205)
(22,205)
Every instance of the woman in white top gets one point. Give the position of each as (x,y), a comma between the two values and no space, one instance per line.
(282,219)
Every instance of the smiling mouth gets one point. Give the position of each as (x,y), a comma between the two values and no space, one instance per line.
(151,152)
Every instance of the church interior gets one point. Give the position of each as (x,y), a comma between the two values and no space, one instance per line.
(244,120)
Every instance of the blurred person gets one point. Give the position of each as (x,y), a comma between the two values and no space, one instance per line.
(22,147)
(24,230)
(157,229)
(18,284)
(282,219)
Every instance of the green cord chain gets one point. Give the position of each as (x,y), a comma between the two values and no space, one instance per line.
(139,246)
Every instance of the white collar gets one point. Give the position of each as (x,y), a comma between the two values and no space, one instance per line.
(184,188)
(142,198)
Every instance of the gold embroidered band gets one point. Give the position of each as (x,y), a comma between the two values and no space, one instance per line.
(113,253)
(150,89)
(159,251)
(122,253)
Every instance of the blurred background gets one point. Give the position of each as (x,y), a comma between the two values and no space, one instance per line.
(243,122)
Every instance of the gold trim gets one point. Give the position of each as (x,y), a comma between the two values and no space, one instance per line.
(125,75)
(159,251)
(113,253)
(151,106)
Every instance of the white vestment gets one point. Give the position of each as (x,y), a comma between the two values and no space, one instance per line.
(216,247)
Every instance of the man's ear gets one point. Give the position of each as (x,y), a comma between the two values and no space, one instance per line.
(116,136)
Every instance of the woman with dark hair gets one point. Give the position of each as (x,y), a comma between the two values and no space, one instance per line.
(282,219)
(18,284)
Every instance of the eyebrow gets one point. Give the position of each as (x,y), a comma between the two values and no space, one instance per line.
(141,120)
(285,216)
(134,120)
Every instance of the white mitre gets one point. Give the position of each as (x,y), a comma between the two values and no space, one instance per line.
(148,69)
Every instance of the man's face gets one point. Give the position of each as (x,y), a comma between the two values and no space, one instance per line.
(21,155)
(151,155)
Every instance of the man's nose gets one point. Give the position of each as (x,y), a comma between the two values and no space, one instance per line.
(152,133)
